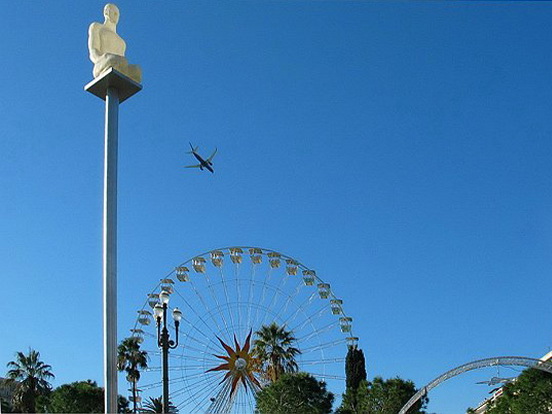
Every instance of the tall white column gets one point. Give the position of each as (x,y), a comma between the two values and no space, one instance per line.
(110,249)
(113,87)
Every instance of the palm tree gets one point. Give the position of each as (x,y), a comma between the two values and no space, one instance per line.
(130,359)
(155,405)
(273,347)
(31,375)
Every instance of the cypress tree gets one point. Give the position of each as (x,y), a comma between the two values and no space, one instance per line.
(355,371)
(355,367)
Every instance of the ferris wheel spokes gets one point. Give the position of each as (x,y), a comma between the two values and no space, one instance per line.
(228,294)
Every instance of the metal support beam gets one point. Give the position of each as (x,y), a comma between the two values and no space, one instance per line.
(113,87)
(110,249)
(165,348)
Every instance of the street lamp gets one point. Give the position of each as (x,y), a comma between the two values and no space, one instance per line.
(163,341)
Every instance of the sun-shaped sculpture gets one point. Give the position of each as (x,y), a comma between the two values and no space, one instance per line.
(240,364)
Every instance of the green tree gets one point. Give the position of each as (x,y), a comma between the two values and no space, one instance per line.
(31,375)
(78,397)
(131,359)
(5,407)
(355,371)
(351,398)
(155,405)
(387,396)
(7,388)
(531,393)
(298,393)
(122,405)
(273,347)
(355,367)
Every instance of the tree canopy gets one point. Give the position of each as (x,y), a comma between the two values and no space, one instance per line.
(531,393)
(7,389)
(78,397)
(381,396)
(389,396)
(298,393)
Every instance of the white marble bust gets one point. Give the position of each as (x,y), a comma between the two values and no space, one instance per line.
(107,48)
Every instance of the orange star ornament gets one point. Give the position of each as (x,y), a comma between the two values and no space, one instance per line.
(240,365)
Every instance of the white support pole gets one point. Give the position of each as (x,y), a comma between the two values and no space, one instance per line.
(110,249)
(113,87)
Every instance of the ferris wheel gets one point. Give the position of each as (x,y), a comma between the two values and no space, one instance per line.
(226,296)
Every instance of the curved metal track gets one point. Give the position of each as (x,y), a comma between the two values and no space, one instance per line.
(470,366)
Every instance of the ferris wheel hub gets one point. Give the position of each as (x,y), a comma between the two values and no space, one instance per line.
(240,364)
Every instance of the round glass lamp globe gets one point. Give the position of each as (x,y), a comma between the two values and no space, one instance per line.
(177,314)
(164,297)
(158,311)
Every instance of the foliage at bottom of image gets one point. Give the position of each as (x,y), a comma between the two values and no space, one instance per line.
(530,393)
(155,405)
(298,393)
(77,397)
(381,396)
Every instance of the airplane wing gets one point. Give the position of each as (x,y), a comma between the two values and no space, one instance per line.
(193,166)
(212,156)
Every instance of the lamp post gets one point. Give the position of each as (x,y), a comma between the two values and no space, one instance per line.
(163,340)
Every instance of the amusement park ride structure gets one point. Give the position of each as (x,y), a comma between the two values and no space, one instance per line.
(226,296)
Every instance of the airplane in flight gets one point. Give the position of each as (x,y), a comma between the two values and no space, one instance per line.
(207,164)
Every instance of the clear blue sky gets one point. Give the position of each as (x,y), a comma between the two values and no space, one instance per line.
(402,149)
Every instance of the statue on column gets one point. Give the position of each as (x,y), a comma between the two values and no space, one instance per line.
(107,48)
